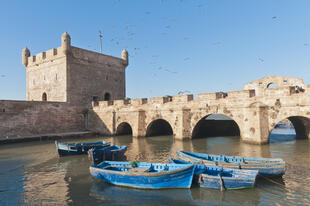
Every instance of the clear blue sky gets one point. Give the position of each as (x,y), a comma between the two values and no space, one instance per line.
(195,45)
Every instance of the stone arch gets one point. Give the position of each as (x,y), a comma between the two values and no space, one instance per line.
(123,128)
(158,127)
(107,96)
(300,122)
(44,97)
(202,128)
(271,85)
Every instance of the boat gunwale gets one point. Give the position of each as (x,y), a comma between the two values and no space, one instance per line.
(146,174)
(119,148)
(244,165)
(231,178)
(84,143)
(251,159)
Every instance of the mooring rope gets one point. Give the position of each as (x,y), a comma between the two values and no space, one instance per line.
(270,180)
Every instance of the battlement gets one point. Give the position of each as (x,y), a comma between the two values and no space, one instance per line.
(242,95)
(94,57)
(212,96)
(139,101)
(75,75)
(183,98)
(43,57)
(160,100)
(67,50)
(121,102)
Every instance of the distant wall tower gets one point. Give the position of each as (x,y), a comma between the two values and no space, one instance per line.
(74,75)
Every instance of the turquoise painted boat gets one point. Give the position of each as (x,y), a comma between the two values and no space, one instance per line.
(265,166)
(144,175)
(221,178)
(114,153)
(78,148)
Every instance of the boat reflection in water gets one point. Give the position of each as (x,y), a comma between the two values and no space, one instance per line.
(35,175)
(229,197)
(128,196)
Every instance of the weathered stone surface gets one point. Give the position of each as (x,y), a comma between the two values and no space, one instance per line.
(21,118)
(78,81)
(74,75)
(255,113)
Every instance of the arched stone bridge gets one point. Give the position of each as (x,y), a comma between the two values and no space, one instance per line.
(256,110)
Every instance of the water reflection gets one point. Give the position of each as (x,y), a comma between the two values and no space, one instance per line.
(231,197)
(32,173)
(11,181)
(107,193)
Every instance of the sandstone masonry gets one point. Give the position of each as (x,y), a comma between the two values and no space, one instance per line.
(256,110)
(73,89)
(74,75)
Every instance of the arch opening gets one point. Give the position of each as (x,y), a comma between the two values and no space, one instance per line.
(44,97)
(124,129)
(159,127)
(271,85)
(293,127)
(107,96)
(216,125)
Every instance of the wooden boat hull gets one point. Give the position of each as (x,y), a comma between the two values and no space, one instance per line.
(180,177)
(227,183)
(114,153)
(221,178)
(79,148)
(265,166)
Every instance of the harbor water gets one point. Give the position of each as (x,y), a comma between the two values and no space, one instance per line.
(31,173)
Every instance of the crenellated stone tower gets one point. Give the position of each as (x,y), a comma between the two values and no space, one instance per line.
(74,75)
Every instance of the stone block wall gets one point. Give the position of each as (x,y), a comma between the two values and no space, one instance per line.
(94,75)
(30,118)
(46,73)
(74,75)
(255,115)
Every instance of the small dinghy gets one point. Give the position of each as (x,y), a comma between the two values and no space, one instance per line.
(265,166)
(78,148)
(221,178)
(114,153)
(144,175)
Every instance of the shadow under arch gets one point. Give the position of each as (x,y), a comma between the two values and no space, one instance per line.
(283,129)
(159,127)
(215,125)
(124,129)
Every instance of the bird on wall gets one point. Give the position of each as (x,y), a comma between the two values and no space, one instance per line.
(183,92)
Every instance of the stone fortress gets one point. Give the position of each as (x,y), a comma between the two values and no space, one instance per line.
(74,75)
(71,89)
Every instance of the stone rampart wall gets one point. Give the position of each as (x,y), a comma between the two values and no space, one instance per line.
(255,115)
(30,118)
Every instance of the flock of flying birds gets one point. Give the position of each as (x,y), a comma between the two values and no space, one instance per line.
(131,35)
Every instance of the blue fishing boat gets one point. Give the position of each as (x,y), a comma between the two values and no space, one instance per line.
(265,166)
(221,178)
(114,153)
(144,175)
(78,148)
